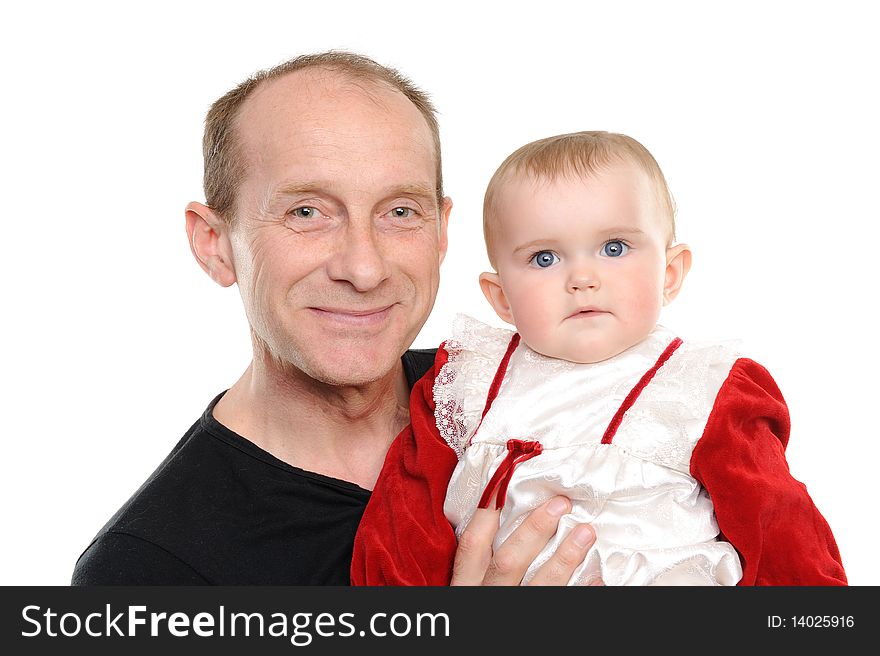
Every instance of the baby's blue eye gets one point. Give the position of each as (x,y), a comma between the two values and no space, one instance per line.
(614,248)
(544,259)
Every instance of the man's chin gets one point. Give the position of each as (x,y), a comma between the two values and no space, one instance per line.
(351,369)
(352,378)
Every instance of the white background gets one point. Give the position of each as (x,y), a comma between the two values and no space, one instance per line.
(763,116)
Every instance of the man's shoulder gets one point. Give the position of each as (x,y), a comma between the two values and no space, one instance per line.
(195,517)
(418,362)
(131,544)
(117,558)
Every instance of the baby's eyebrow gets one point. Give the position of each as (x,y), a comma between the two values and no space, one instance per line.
(624,230)
(529,245)
(613,231)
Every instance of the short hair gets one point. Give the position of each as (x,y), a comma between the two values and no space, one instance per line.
(224,163)
(577,154)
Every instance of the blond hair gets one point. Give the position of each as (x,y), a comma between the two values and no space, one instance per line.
(224,164)
(577,154)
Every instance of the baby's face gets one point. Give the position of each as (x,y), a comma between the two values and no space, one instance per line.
(582,262)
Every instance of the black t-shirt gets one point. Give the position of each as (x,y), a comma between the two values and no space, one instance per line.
(221,511)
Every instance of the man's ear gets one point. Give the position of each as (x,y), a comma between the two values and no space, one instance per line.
(678,263)
(445,209)
(490,283)
(208,237)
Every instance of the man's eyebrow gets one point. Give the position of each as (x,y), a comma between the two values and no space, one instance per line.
(293,188)
(412,190)
(278,194)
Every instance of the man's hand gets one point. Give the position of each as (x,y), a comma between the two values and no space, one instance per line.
(476,564)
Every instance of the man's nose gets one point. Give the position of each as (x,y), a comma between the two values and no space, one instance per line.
(359,259)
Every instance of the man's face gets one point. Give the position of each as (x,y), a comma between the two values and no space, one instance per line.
(582,262)
(338,239)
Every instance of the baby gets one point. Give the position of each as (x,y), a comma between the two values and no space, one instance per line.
(673,450)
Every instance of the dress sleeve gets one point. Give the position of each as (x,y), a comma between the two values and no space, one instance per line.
(404,537)
(765,513)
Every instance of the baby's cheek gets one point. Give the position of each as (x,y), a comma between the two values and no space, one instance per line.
(645,307)
(528,304)
(534,319)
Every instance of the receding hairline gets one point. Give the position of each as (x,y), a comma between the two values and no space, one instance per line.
(339,80)
(224,161)
(319,73)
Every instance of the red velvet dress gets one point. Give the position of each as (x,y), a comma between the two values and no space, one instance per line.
(675,452)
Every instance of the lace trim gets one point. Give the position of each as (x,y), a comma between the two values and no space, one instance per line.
(462,385)
(669,417)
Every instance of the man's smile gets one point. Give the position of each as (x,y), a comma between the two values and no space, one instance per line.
(366,317)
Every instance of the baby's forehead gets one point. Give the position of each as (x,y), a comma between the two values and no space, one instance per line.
(632,182)
(624,179)
(571,175)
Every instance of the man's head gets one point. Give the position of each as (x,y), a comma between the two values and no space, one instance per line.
(328,214)
(225,164)
(580,229)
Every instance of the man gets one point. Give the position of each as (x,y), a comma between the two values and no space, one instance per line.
(324,203)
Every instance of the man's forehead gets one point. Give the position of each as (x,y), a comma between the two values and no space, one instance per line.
(305,95)
(310,126)
(325,111)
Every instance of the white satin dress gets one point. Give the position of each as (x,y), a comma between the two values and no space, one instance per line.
(654,522)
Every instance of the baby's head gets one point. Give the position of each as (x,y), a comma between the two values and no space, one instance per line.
(580,231)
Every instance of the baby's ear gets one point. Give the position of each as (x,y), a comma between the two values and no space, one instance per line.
(678,263)
(490,283)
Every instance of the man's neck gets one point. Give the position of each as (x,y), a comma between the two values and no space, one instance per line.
(341,432)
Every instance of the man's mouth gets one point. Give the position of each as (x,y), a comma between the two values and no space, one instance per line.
(353,316)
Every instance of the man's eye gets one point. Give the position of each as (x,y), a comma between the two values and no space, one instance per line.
(544,259)
(402,213)
(305,212)
(614,248)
